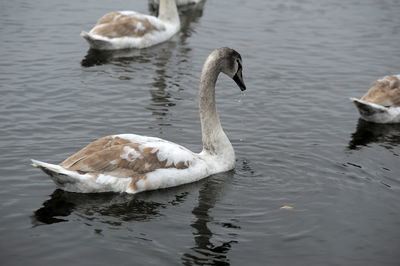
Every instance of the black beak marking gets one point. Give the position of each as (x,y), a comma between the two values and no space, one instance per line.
(239,81)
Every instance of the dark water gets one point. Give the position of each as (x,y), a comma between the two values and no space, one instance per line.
(297,137)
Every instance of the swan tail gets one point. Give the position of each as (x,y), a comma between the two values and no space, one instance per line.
(58,174)
(368,109)
(376,113)
(95,43)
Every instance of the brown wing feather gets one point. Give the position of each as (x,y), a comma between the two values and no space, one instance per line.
(92,148)
(108,156)
(115,25)
(384,92)
(107,18)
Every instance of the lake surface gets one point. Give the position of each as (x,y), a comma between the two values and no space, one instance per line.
(298,139)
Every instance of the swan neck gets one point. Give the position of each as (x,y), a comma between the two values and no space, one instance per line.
(215,141)
(208,79)
(168,11)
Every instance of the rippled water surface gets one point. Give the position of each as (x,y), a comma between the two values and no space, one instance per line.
(298,139)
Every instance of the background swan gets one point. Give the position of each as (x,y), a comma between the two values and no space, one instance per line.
(381,104)
(184,6)
(132,163)
(178,2)
(129,29)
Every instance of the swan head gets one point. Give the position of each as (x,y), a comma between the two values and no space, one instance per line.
(238,77)
(385,92)
(230,63)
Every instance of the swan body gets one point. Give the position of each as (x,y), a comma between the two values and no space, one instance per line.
(381,104)
(130,29)
(132,163)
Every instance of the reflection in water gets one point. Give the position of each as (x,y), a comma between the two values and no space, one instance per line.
(160,96)
(190,16)
(204,251)
(103,206)
(386,134)
(114,209)
(101,57)
(96,57)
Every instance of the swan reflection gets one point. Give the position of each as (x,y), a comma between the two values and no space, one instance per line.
(118,57)
(206,251)
(102,206)
(116,209)
(388,135)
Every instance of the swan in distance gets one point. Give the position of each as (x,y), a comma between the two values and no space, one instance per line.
(130,29)
(132,163)
(178,2)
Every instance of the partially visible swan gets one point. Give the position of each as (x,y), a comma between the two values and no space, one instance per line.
(132,163)
(178,2)
(129,29)
(381,104)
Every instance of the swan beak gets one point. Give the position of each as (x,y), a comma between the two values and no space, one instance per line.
(238,78)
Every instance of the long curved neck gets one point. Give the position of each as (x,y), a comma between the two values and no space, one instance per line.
(215,141)
(168,12)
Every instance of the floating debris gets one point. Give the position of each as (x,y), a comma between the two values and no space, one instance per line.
(286,207)
(383,183)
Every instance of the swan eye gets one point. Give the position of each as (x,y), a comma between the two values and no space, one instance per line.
(239,65)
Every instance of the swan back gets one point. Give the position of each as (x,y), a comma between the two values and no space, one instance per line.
(126,24)
(381,104)
(385,92)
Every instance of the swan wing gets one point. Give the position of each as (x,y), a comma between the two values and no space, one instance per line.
(128,155)
(127,24)
(126,163)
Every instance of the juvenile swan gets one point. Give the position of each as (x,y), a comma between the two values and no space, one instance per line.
(381,104)
(132,163)
(129,29)
(178,2)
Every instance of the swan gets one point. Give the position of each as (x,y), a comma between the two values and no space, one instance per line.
(129,29)
(381,104)
(178,2)
(132,163)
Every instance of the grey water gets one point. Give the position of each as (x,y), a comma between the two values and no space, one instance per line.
(297,137)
